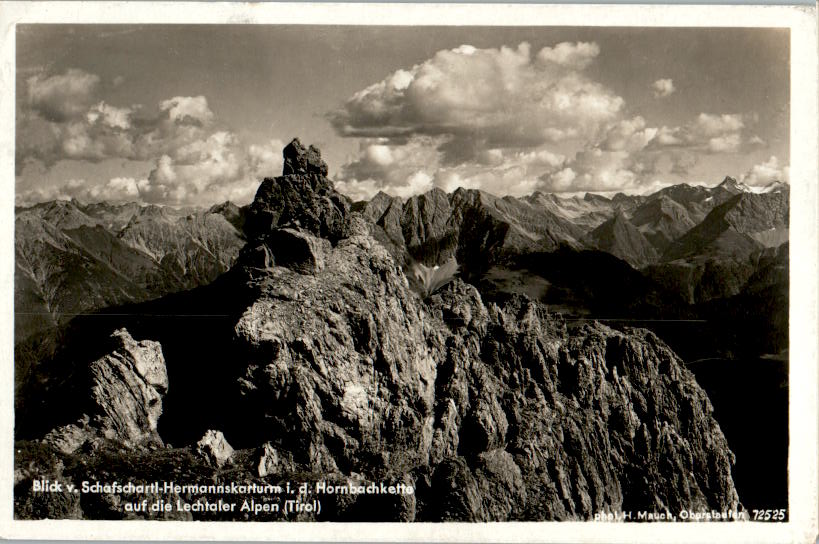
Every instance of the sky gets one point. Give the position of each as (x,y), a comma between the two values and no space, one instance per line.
(196,115)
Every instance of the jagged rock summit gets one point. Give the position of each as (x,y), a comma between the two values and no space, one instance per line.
(298,160)
(302,197)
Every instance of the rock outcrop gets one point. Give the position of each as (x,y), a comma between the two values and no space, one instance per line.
(126,390)
(129,384)
(529,421)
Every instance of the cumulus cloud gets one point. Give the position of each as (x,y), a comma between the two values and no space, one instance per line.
(397,169)
(110,116)
(61,97)
(511,180)
(213,169)
(195,160)
(594,170)
(416,183)
(194,170)
(64,118)
(628,135)
(627,157)
(663,88)
(122,189)
(33,195)
(710,133)
(119,189)
(713,133)
(766,173)
(480,99)
(574,55)
(488,119)
(415,166)
(755,140)
(727,143)
(265,160)
(187,109)
(715,125)
(493,119)
(207,171)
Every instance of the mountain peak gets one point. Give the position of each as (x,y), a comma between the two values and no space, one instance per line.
(226,205)
(732,185)
(729,182)
(301,160)
(622,239)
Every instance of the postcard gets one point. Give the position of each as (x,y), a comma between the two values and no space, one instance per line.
(407,272)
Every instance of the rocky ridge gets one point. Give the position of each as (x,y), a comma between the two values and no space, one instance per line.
(490,410)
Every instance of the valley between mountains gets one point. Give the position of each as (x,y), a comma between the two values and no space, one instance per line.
(533,358)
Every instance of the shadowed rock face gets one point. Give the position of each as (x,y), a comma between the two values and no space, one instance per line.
(331,365)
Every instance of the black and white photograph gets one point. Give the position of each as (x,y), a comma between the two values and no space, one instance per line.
(403,273)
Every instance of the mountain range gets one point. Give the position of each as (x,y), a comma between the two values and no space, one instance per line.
(443,339)
(73,258)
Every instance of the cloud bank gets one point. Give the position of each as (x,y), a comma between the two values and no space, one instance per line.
(479,99)
(195,160)
(511,121)
(508,120)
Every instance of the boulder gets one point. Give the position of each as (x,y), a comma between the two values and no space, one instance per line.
(273,462)
(70,438)
(214,448)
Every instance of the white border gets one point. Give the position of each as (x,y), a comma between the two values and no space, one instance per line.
(804,340)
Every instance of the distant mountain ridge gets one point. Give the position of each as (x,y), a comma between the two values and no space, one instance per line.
(73,258)
(467,223)
(117,253)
